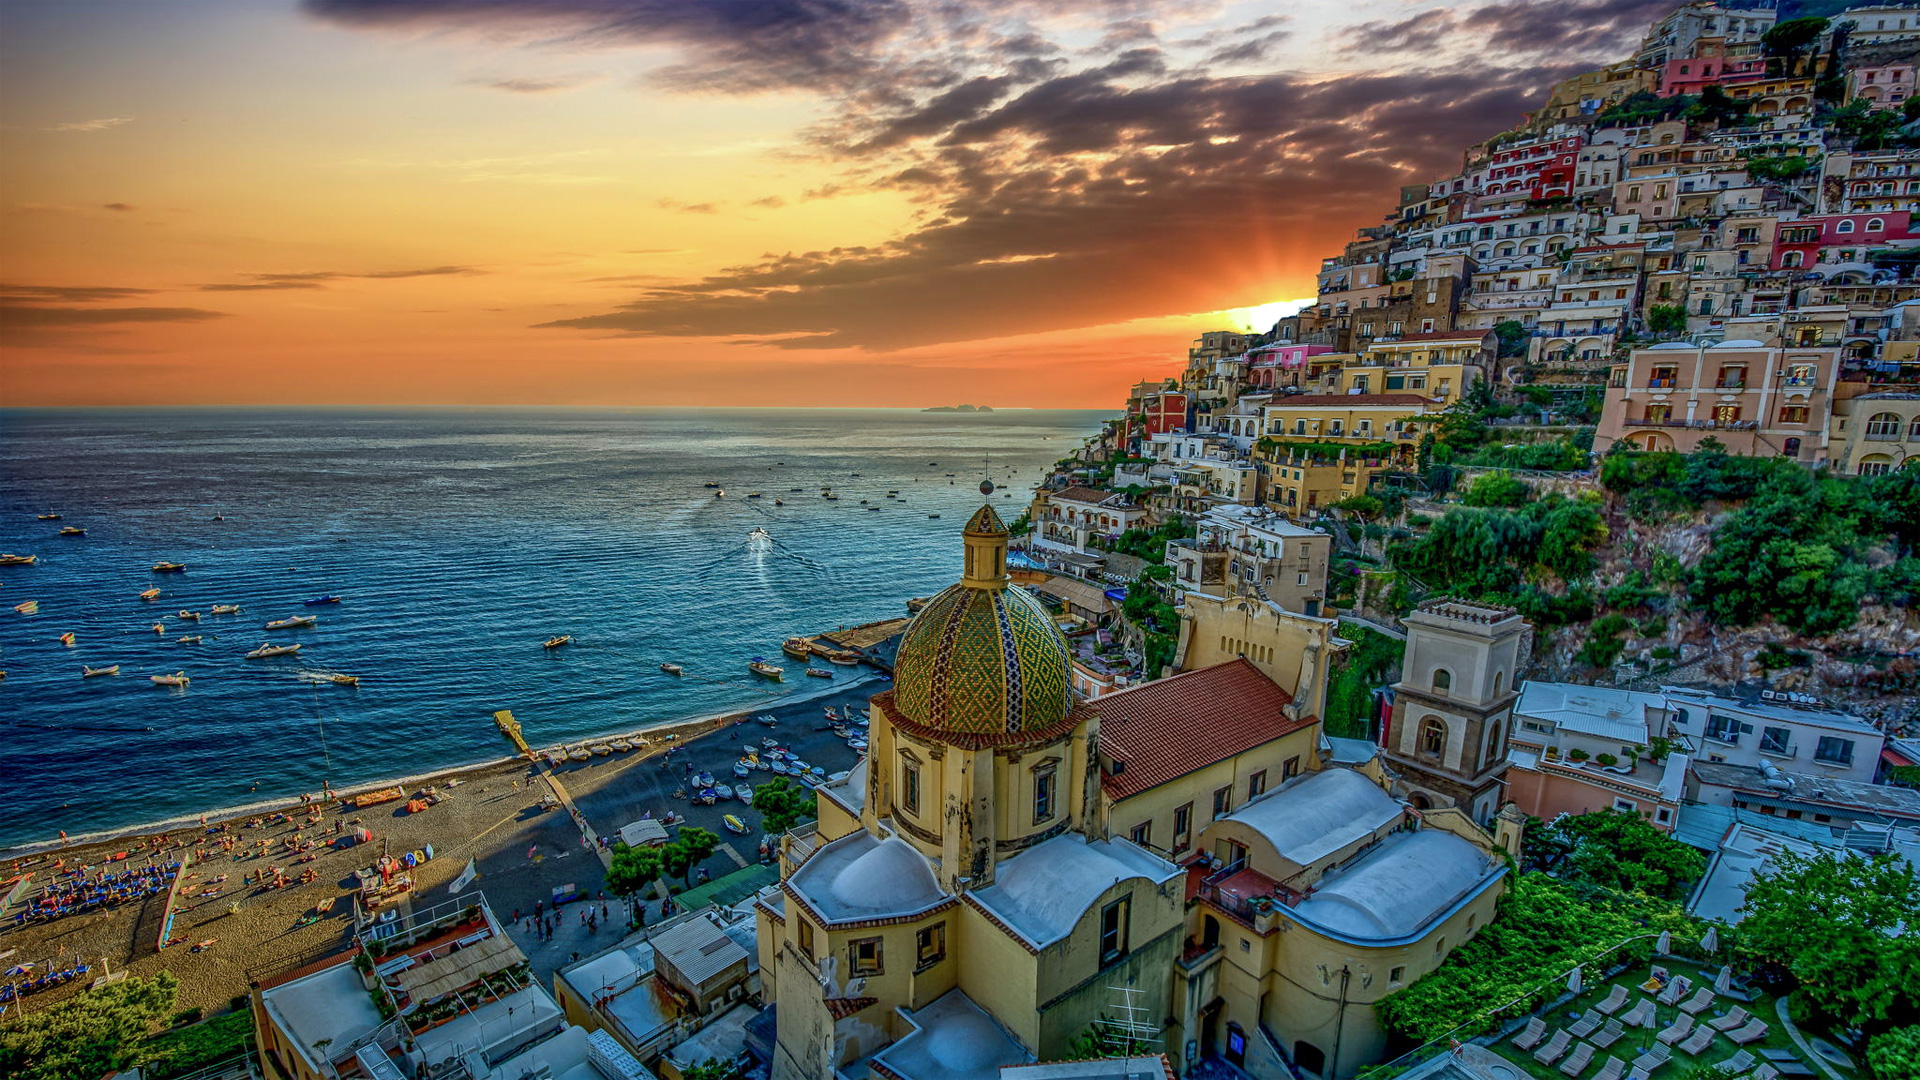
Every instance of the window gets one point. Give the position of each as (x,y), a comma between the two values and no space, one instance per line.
(1256,784)
(864,955)
(1043,788)
(1113,931)
(1222,801)
(1663,815)
(806,937)
(930,945)
(1182,827)
(1303,579)
(1776,740)
(1875,224)
(1726,414)
(1723,729)
(1626,806)
(1844,227)
(1142,833)
(1433,736)
(1833,751)
(1883,426)
(910,786)
(1290,768)
(1397,976)
(1442,679)
(1793,414)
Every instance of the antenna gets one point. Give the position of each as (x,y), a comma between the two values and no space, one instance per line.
(1128,1031)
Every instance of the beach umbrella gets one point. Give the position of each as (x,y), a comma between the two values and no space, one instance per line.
(1573,981)
(1723,982)
(20,969)
(1665,944)
(1711,942)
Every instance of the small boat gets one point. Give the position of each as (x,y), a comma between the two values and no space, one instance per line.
(863,502)
(159,628)
(580,753)
(17,560)
(601,749)
(672,669)
(820,673)
(338,679)
(719,493)
(67,639)
(829,496)
(73,530)
(154,594)
(28,607)
(742,769)
(319,600)
(47,517)
(796,489)
(833,717)
(266,649)
(844,658)
(90,672)
(893,493)
(554,643)
(734,824)
(779,502)
(771,671)
(797,766)
(779,768)
(745,793)
(753,495)
(189,616)
(703,780)
(178,678)
(797,647)
(856,743)
(768,720)
(164,567)
(711,484)
(223,609)
(191,639)
(873,508)
(292,622)
(723,792)
(933,515)
(621,745)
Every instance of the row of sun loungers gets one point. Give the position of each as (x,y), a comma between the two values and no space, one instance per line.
(1573,1055)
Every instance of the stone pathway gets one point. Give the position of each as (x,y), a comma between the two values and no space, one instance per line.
(1812,1056)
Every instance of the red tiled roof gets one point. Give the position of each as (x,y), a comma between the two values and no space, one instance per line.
(1437,335)
(1083,494)
(1323,400)
(1166,729)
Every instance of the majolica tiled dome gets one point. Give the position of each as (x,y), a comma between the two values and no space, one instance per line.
(983,659)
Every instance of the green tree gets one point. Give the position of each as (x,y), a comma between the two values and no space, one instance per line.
(633,869)
(1513,337)
(1667,320)
(1614,849)
(1840,923)
(1792,39)
(1895,1055)
(784,804)
(688,850)
(1497,489)
(712,1069)
(89,1035)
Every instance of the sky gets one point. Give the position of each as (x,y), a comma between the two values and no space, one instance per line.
(673,202)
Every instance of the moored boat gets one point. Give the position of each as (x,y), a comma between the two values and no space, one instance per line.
(67,639)
(164,567)
(601,749)
(723,792)
(159,628)
(820,673)
(17,560)
(734,824)
(742,769)
(758,533)
(753,494)
(27,607)
(319,600)
(190,639)
(223,609)
(152,594)
(91,672)
(765,670)
(292,622)
(580,753)
(339,679)
(189,616)
(556,642)
(47,517)
(844,657)
(672,669)
(621,745)
(267,649)
(711,484)
(779,502)
(178,678)
(73,530)
(797,647)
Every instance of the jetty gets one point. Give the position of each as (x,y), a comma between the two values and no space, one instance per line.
(863,640)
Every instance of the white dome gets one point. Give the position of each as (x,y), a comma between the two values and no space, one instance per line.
(1741,343)
(891,877)
(1672,345)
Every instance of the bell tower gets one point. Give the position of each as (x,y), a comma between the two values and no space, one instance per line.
(1453,705)
(986,544)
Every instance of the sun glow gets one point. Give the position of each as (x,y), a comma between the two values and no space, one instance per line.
(1261,319)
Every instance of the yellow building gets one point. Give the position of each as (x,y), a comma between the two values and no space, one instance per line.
(1876,432)
(1439,365)
(1322,448)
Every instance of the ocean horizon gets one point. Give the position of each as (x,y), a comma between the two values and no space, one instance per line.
(459,539)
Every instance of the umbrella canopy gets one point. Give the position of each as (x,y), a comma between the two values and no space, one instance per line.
(1665,944)
(1711,942)
(1573,981)
(1723,982)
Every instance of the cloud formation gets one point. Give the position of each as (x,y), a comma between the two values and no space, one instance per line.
(102,124)
(29,315)
(311,279)
(530,85)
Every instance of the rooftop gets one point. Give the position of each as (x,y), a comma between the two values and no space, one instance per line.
(1318,814)
(1321,401)
(502,1023)
(1684,695)
(1147,1067)
(1083,494)
(1620,715)
(1398,888)
(1043,892)
(1807,789)
(699,948)
(724,1038)
(330,1004)
(953,1039)
(860,877)
(1147,730)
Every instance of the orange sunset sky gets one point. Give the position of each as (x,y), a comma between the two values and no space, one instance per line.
(668,202)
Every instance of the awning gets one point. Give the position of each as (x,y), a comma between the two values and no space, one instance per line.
(1894,757)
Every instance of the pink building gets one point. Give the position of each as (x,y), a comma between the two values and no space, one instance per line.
(1273,366)
(1886,85)
(1799,243)
(1691,76)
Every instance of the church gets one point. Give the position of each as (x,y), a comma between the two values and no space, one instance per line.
(977,893)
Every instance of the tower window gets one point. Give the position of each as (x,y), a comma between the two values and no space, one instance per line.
(931,944)
(1043,791)
(1442,680)
(1433,736)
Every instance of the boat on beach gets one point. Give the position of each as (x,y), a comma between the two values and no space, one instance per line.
(178,678)
(580,753)
(292,622)
(267,649)
(797,647)
(91,672)
(223,609)
(601,749)
(621,745)
(742,769)
(672,669)
(768,720)
(164,567)
(154,594)
(73,530)
(554,643)
(17,560)
(723,792)
(734,824)
(765,670)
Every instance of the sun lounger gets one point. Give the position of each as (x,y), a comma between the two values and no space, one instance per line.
(1555,1047)
(1577,1061)
(1531,1035)
(1698,1041)
(1611,1069)
(1657,1055)
(1764,1072)
(1751,1031)
(1639,1073)
(1700,1002)
(1584,1026)
(1730,1021)
(1641,1015)
(1736,1064)
(1609,1034)
(1613,1001)
(1676,990)
(1676,1031)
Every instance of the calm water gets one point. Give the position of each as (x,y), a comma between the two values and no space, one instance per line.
(460,541)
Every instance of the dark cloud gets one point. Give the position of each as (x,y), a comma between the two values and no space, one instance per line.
(311,279)
(258,286)
(1426,30)
(528,86)
(119,207)
(69,294)
(23,324)
(1576,29)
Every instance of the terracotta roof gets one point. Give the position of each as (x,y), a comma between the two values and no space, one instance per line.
(1166,729)
(1083,494)
(1325,400)
(1437,335)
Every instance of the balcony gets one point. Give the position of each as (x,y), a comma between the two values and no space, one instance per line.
(1876,433)
(1702,425)
(1730,386)
(1659,384)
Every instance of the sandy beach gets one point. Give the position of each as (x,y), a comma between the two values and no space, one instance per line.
(492,814)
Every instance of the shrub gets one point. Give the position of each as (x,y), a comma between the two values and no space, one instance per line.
(1607,761)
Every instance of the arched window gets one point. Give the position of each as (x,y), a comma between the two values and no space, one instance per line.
(1498,678)
(1884,425)
(1493,746)
(1442,679)
(1875,224)
(1791,258)
(1433,736)
(1845,226)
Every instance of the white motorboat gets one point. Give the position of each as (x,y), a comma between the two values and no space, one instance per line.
(723,792)
(90,672)
(580,753)
(178,678)
(621,745)
(267,649)
(220,609)
(189,616)
(292,622)
(765,670)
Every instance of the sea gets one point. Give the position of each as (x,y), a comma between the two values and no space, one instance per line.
(458,542)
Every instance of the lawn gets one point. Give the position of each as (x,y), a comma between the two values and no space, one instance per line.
(1638,1039)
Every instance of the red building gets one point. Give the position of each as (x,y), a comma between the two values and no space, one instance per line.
(1154,409)
(1799,243)
(1543,168)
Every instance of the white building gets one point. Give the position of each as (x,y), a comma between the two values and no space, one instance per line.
(1796,737)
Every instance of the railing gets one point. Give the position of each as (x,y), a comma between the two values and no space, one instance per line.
(1660,384)
(1884,435)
